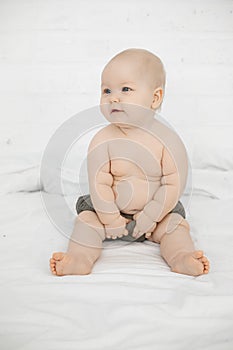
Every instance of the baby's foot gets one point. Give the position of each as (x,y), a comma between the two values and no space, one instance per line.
(68,264)
(193,263)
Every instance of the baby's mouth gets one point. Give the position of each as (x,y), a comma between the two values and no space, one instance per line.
(115,110)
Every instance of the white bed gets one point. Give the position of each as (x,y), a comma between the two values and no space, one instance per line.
(131,300)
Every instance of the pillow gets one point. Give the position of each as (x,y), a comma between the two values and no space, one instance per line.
(19,171)
(213,183)
(13,162)
(26,180)
(210,147)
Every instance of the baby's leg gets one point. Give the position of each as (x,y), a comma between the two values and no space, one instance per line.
(177,248)
(84,247)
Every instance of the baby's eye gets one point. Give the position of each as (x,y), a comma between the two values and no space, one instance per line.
(126,89)
(107,91)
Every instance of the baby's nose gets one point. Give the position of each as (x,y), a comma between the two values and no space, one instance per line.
(114,98)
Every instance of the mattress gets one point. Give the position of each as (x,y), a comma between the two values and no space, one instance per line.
(131,300)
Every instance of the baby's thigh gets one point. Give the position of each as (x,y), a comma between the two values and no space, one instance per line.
(88,230)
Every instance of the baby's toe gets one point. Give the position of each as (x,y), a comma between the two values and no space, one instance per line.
(206,264)
(53,266)
(203,259)
(54,272)
(58,256)
(52,262)
(197,254)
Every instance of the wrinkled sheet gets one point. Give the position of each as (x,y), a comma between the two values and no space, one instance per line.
(131,300)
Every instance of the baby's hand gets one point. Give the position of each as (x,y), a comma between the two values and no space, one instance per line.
(116,229)
(143,225)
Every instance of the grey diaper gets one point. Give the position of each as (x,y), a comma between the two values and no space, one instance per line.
(85,203)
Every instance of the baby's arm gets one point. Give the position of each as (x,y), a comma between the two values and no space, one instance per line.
(174,175)
(100,183)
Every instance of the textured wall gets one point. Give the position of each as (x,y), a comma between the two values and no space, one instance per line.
(52,53)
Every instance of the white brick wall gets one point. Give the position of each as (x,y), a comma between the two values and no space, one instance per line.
(52,53)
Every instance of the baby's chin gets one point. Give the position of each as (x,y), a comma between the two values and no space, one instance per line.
(117,117)
(127,116)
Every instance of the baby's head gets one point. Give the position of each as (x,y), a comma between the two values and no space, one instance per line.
(134,76)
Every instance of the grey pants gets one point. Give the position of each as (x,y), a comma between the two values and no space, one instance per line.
(85,203)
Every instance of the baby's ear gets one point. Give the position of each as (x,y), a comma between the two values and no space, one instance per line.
(157,98)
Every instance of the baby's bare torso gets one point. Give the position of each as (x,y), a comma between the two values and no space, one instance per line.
(135,165)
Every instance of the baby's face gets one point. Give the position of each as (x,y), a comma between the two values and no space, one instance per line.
(125,89)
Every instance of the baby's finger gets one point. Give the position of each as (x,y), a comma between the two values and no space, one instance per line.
(126,233)
(148,234)
(136,232)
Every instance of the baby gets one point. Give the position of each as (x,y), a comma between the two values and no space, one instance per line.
(137,170)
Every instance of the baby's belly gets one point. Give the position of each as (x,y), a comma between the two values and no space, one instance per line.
(133,193)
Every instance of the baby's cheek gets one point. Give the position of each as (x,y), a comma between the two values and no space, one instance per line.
(104,107)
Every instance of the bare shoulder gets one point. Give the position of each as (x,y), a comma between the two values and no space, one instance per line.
(166,133)
(102,136)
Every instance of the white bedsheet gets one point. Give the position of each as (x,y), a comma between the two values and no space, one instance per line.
(130,301)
